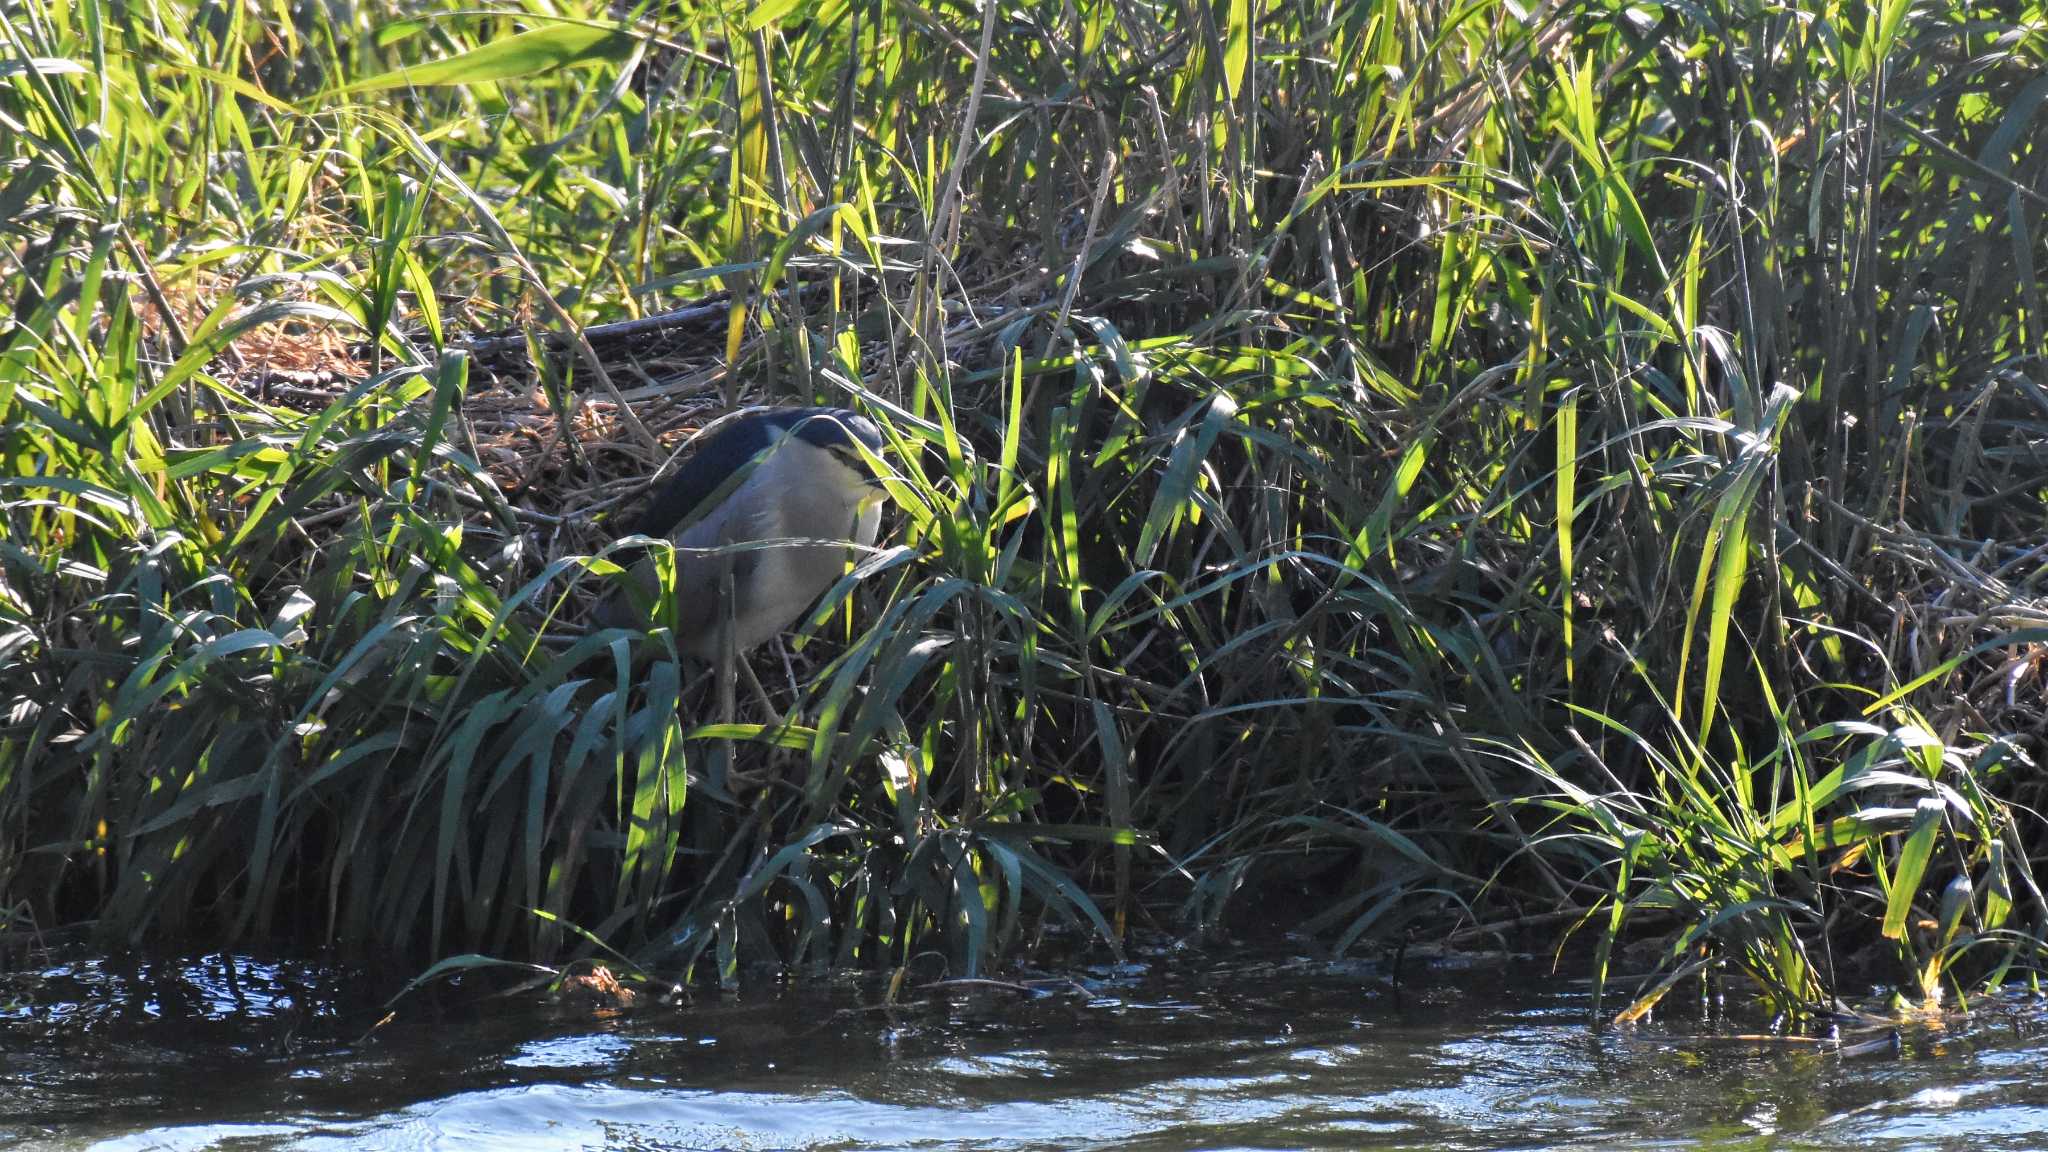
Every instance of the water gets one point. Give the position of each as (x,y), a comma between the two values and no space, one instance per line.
(232,1053)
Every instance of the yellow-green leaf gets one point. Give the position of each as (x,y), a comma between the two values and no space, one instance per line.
(540,50)
(1237,46)
(768,12)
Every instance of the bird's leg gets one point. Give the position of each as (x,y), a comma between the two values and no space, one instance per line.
(788,669)
(722,678)
(731,665)
(780,758)
(775,719)
(725,658)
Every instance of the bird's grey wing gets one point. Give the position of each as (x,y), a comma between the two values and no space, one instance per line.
(759,521)
(707,469)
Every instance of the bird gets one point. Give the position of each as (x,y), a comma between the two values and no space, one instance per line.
(762,515)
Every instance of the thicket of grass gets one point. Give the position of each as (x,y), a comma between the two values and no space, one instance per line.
(1396,469)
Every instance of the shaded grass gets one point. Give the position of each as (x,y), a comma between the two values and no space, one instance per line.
(1383,468)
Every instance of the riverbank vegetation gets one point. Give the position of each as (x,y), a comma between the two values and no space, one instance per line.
(1396,471)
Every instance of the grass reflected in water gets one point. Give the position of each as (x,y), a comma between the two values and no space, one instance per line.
(233,1053)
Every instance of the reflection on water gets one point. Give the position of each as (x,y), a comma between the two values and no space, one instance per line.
(232,1053)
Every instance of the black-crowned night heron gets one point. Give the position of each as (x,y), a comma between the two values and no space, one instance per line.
(762,515)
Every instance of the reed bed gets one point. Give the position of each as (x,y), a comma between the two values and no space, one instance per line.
(1383,469)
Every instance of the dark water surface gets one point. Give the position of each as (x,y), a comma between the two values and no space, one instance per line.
(1187,1053)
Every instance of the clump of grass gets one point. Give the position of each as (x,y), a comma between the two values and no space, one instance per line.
(1430,466)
